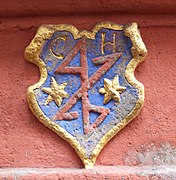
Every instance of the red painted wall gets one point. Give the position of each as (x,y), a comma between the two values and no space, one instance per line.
(150,139)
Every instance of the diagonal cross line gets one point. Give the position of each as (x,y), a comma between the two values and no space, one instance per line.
(87,83)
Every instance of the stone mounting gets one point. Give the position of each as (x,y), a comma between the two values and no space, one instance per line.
(87,91)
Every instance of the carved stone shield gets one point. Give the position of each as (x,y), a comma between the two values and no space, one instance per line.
(87,91)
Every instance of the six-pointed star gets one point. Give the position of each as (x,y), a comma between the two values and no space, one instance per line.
(56,92)
(111,89)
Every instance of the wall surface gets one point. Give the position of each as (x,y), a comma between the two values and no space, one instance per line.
(144,149)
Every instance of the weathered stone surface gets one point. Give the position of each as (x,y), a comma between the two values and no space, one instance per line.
(27,143)
(58,7)
(98,173)
(25,140)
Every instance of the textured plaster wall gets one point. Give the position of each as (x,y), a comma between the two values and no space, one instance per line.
(72,7)
(149,140)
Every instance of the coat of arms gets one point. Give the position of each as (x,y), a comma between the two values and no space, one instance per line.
(87,91)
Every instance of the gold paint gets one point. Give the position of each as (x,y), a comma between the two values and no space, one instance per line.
(59,56)
(32,53)
(103,43)
(56,92)
(112,90)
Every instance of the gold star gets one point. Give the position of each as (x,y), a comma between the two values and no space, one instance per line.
(56,92)
(111,89)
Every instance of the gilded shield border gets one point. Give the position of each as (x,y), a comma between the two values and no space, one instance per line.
(32,54)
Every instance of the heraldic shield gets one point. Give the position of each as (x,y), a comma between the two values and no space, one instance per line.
(87,91)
